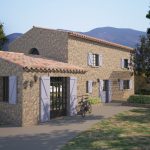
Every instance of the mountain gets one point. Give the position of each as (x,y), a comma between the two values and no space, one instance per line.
(124,36)
(11,38)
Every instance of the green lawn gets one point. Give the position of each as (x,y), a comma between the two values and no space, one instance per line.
(126,131)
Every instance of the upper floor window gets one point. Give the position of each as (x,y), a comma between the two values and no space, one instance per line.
(94,59)
(125,63)
(34,51)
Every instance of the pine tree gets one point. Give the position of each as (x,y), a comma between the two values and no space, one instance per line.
(3,37)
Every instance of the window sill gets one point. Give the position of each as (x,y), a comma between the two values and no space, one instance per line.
(126,89)
(95,66)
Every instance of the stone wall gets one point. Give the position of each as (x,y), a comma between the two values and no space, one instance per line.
(11,114)
(50,43)
(31,96)
(78,50)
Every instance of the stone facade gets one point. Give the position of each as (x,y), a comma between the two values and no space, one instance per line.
(61,46)
(10,113)
(50,43)
(78,50)
(31,96)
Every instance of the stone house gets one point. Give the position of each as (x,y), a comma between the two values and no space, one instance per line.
(51,68)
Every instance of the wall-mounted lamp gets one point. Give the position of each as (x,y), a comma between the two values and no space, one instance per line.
(25,84)
(35,78)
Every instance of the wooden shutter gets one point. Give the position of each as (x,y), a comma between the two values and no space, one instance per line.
(100,60)
(121,84)
(90,86)
(12,90)
(101,84)
(73,96)
(122,63)
(109,90)
(45,99)
(130,84)
(90,59)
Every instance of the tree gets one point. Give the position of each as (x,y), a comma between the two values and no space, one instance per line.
(3,38)
(141,55)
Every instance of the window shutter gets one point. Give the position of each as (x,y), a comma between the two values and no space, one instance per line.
(12,90)
(100,60)
(129,63)
(90,85)
(101,85)
(101,94)
(90,59)
(121,84)
(130,84)
(45,99)
(109,90)
(73,96)
(122,63)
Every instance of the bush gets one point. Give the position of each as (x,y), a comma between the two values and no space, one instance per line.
(139,99)
(94,100)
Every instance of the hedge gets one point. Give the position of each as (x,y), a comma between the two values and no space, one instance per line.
(139,99)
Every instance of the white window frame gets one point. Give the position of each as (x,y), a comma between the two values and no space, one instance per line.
(92,59)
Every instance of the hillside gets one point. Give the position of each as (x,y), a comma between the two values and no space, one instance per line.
(128,37)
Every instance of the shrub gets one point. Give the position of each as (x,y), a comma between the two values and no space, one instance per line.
(139,99)
(94,100)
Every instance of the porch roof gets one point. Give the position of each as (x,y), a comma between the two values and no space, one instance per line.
(38,63)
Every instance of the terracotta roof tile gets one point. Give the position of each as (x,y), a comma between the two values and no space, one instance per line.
(35,62)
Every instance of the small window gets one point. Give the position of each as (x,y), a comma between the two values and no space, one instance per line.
(4,89)
(126,84)
(95,60)
(34,51)
(126,63)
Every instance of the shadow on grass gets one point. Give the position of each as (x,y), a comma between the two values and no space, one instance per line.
(140,116)
(108,139)
(112,134)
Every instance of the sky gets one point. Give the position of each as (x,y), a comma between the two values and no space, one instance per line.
(18,16)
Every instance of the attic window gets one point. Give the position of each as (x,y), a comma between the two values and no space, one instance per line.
(34,51)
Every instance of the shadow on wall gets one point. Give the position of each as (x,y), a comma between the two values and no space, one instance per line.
(116,76)
(47,141)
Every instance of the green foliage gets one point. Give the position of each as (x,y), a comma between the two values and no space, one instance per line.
(3,38)
(139,99)
(94,100)
(141,55)
(143,92)
(141,58)
(148,15)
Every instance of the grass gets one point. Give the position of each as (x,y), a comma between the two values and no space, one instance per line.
(126,131)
